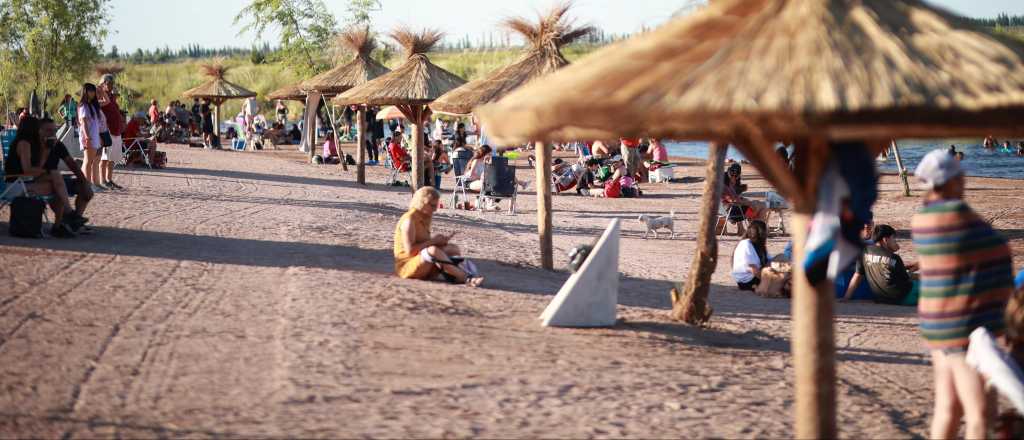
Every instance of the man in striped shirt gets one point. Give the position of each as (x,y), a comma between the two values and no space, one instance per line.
(966,280)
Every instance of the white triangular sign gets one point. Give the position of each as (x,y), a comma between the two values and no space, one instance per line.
(589,297)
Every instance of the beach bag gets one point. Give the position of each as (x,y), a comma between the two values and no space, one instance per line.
(27,217)
(774,284)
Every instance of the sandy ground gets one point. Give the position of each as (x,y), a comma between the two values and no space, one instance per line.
(249,295)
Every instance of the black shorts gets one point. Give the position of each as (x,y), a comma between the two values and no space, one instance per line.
(751,286)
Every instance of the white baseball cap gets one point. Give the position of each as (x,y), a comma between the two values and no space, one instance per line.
(937,168)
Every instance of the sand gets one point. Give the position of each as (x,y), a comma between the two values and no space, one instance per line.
(250,294)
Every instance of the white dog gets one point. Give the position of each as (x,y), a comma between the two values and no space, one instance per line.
(653,224)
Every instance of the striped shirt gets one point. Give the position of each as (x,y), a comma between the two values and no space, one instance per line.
(966,274)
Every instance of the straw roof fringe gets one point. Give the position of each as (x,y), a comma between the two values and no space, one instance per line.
(359,71)
(864,69)
(545,37)
(217,87)
(416,82)
(291,92)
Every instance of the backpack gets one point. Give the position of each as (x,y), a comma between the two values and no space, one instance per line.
(27,217)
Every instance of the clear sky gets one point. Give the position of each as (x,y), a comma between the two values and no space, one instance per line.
(150,24)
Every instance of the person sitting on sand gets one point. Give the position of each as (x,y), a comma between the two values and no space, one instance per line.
(888,277)
(295,134)
(422,256)
(587,184)
(330,155)
(611,186)
(564,176)
(750,256)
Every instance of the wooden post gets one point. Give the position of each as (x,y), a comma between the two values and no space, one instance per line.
(690,304)
(360,147)
(416,118)
(216,118)
(903,171)
(813,344)
(310,116)
(544,216)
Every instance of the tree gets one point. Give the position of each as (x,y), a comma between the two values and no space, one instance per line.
(305,27)
(52,41)
(359,12)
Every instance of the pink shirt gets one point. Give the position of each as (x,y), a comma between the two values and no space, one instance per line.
(660,152)
(329,149)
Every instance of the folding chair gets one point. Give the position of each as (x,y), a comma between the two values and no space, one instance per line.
(499,183)
(395,174)
(731,213)
(134,145)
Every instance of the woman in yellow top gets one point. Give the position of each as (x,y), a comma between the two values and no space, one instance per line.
(418,255)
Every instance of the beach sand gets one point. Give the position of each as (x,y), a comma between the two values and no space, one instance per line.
(250,294)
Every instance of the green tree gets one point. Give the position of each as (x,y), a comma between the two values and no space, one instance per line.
(51,42)
(305,27)
(359,12)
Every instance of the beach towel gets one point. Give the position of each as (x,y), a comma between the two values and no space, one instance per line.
(846,194)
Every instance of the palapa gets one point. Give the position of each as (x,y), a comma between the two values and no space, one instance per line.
(359,71)
(813,71)
(851,69)
(415,82)
(545,38)
(217,89)
(292,92)
(410,87)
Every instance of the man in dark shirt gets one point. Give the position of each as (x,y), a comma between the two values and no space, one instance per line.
(888,277)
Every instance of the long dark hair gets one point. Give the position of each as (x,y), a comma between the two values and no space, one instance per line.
(28,131)
(757,233)
(92,104)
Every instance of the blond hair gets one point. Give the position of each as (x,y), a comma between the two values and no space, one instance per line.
(422,197)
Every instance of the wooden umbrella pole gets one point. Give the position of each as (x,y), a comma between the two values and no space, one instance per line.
(544,216)
(903,171)
(360,147)
(813,344)
(690,304)
(416,114)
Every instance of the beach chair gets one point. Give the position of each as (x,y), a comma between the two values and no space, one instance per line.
(395,173)
(132,146)
(499,183)
(731,213)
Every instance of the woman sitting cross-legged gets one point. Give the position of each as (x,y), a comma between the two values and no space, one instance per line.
(750,256)
(421,256)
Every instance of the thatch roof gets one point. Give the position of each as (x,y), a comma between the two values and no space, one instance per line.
(359,71)
(217,87)
(289,93)
(849,69)
(545,38)
(416,82)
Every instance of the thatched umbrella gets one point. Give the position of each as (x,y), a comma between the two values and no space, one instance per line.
(410,87)
(217,90)
(362,69)
(814,71)
(291,92)
(545,37)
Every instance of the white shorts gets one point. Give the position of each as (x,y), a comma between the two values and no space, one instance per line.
(114,152)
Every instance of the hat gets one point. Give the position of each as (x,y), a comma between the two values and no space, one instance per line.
(937,168)
(616,158)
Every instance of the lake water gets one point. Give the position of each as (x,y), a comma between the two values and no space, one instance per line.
(977,161)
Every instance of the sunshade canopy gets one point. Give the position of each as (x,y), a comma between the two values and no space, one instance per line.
(359,71)
(545,37)
(843,69)
(416,82)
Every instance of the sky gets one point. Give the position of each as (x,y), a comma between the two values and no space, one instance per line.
(150,24)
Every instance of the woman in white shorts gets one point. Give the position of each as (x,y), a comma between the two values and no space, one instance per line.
(90,121)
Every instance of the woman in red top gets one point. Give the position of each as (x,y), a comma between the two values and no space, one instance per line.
(107,95)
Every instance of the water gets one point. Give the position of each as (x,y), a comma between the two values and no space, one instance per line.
(977,161)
